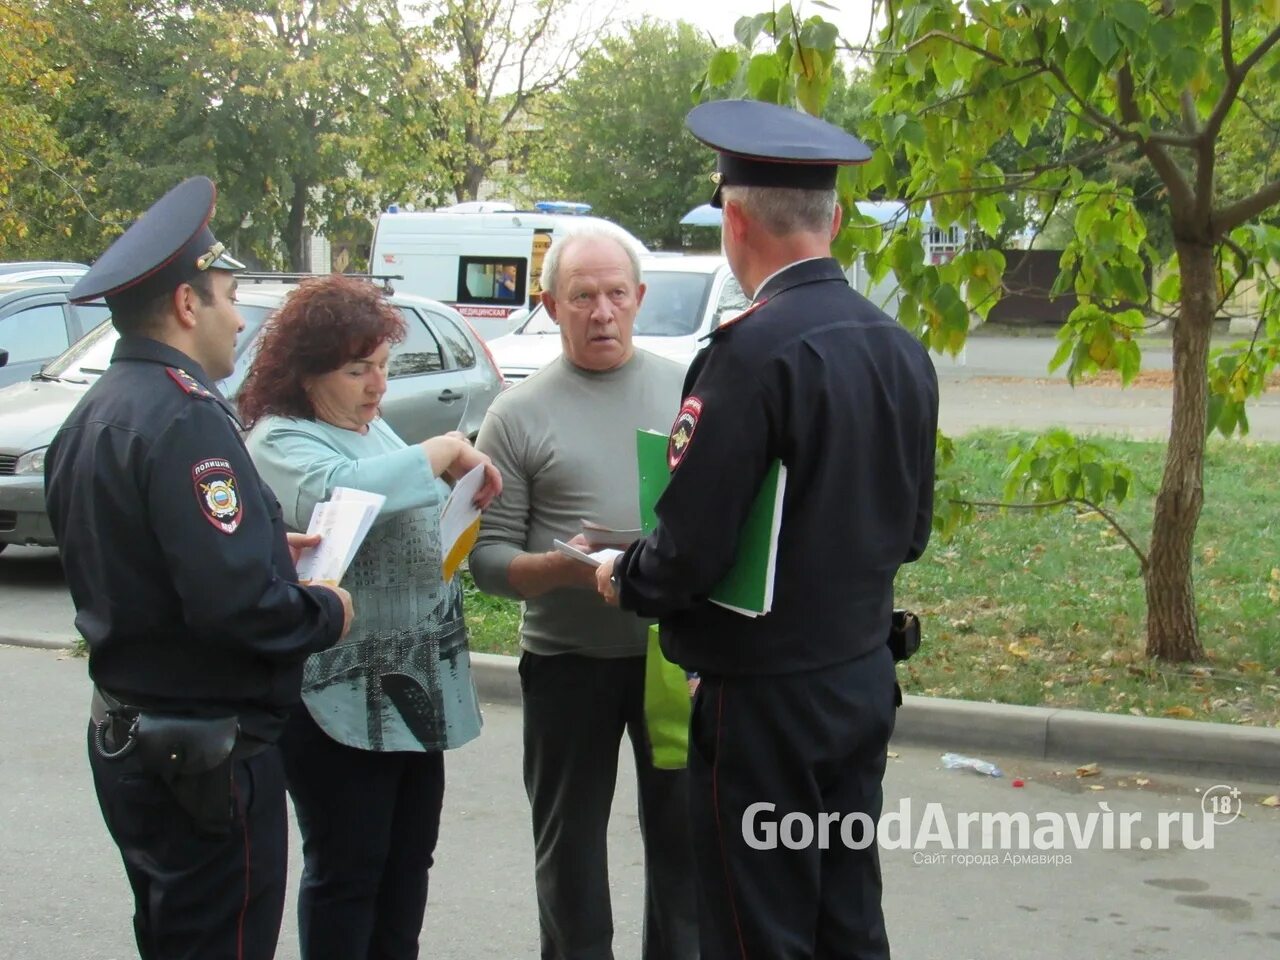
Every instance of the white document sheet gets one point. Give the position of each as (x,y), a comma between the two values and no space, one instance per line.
(342,522)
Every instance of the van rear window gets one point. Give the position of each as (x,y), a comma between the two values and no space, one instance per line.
(495,280)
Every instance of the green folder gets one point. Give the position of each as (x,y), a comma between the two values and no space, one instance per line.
(748,586)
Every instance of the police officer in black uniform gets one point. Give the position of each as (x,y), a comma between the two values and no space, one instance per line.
(795,708)
(185,591)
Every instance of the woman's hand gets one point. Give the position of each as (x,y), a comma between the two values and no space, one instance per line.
(452,457)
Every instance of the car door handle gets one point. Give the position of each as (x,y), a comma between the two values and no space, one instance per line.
(448,396)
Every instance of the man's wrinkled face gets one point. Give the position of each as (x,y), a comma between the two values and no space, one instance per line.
(595,303)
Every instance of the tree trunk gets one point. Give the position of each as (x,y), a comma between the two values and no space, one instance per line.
(1172,629)
(296,232)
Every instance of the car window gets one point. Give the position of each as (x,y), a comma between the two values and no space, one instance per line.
(91,314)
(247,345)
(731,301)
(418,353)
(34,333)
(464,356)
(673,306)
(88,356)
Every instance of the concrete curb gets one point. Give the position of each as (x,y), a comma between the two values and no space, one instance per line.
(40,640)
(1208,750)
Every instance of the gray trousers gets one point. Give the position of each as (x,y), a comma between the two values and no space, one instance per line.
(575,711)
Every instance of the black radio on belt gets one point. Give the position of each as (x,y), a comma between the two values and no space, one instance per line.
(904,635)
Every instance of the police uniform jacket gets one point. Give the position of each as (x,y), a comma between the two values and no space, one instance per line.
(817,376)
(175,552)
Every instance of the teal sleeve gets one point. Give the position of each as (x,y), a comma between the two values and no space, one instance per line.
(303,469)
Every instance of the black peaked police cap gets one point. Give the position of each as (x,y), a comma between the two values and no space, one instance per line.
(168,245)
(765,145)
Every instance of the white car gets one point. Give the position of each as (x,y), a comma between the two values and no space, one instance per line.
(685,299)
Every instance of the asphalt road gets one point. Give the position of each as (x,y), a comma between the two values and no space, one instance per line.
(63,895)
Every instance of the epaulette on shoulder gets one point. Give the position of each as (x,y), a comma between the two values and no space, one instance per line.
(732,320)
(188,383)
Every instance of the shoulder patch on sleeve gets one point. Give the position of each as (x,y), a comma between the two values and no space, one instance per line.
(732,320)
(682,431)
(218,493)
(188,383)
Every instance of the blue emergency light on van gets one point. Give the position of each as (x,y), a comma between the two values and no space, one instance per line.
(562,206)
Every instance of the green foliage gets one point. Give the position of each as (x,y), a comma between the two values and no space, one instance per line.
(620,142)
(475,72)
(1043,607)
(308,114)
(1059,466)
(951,510)
(36,165)
(256,96)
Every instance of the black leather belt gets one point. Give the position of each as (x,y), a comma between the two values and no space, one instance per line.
(116,723)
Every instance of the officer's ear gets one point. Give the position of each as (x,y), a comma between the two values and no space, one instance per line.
(185,300)
(735,220)
(837,217)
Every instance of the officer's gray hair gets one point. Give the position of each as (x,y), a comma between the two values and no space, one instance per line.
(590,231)
(785,210)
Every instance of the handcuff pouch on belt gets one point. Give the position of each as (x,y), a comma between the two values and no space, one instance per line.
(191,755)
(903,640)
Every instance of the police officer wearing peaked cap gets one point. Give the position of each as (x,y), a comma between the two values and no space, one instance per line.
(186,593)
(795,707)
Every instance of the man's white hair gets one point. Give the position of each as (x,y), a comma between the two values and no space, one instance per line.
(589,232)
(785,210)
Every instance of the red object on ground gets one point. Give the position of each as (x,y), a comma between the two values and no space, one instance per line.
(1019,783)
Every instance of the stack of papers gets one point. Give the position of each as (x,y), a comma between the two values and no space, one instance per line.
(342,522)
(460,522)
(594,559)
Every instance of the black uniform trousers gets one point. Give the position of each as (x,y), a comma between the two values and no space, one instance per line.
(369,822)
(199,896)
(807,743)
(575,711)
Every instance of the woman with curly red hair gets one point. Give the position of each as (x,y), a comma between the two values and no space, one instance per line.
(363,756)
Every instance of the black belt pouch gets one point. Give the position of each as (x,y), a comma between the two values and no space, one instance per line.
(192,755)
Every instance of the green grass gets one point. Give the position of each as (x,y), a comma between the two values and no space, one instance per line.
(1048,608)
(492,622)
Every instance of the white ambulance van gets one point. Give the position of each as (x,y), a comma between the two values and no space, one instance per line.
(483,264)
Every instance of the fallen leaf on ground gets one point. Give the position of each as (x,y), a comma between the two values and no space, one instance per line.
(1096,786)
(1088,770)
(1141,781)
(1272,801)
(892,755)
(1180,711)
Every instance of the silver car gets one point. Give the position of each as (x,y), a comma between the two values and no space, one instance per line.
(49,271)
(685,299)
(440,378)
(37,323)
